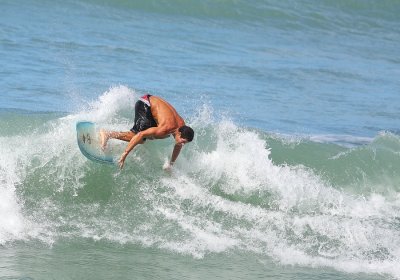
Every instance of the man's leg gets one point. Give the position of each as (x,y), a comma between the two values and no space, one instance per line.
(106,135)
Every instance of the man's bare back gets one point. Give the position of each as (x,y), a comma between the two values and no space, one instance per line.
(168,120)
(155,118)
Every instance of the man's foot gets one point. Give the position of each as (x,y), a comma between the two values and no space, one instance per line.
(103,139)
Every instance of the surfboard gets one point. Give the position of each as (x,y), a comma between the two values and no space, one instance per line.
(89,143)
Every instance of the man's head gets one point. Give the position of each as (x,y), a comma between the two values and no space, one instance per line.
(186,134)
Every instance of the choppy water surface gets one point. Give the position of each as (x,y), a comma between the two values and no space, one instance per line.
(294,171)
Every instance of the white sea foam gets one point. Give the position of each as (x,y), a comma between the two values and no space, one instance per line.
(230,196)
(310,223)
(53,148)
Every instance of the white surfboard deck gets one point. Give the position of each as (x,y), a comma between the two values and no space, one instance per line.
(89,143)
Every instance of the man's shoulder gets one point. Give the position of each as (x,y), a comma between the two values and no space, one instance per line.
(155,98)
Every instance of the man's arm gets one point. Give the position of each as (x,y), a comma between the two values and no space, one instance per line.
(175,153)
(138,139)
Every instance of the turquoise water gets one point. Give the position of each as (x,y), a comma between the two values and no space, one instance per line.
(294,171)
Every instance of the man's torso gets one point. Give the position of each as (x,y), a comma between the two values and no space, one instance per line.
(165,115)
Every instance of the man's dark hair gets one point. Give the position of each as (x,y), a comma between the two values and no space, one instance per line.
(186,132)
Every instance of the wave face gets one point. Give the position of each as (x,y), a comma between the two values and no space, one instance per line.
(298,200)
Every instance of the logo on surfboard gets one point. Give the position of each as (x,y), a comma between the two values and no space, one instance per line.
(87,138)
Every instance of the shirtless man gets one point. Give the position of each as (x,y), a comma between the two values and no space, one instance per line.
(155,118)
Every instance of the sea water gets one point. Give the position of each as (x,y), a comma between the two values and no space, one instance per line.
(294,172)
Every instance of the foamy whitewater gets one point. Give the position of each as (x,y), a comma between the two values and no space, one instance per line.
(293,172)
(225,195)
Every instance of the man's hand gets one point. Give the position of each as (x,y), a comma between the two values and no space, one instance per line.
(121,161)
(167,166)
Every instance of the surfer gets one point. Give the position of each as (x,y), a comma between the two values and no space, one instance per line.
(155,118)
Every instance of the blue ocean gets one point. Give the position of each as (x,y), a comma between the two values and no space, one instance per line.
(294,171)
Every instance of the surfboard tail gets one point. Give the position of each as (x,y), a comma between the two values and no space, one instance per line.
(89,144)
